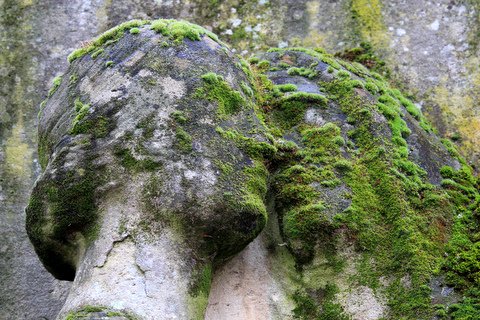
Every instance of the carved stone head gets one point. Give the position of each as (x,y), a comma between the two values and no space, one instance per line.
(149,141)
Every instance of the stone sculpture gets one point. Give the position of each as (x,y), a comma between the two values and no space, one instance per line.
(161,151)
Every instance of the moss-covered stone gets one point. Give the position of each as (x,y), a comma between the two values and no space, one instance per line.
(173,29)
(392,202)
(165,142)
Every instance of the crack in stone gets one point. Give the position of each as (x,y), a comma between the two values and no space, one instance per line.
(114,242)
(144,275)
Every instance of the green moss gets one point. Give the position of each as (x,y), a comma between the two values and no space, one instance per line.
(224,167)
(308,308)
(304,72)
(55,84)
(216,89)
(44,148)
(97,126)
(342,74)
(97,52)
(81,111)
(373,201)
(306,221)
(368,20)
(202,281)
(179,117)
(264,64)
(89,312)
(247,89)
(173,29)
(288,87)
(184,140)
(307,97)
(42,106)
(179,30)
(365,55)
(199,291)
(73,79)
(290,109)
(253,147)
(254,191)
(343,165)
(134,31)
(398,220)
(316,53)
(71,205)
(106,38)
(371,87)
(129,162)
(452,150)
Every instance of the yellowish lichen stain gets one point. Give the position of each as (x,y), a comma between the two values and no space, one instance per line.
(25,3)
(370,21)
(314,38)
(18,154)
(460,109)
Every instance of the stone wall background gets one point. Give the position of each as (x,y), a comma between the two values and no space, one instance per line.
(431,46)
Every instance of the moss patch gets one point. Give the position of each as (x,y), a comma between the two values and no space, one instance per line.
(55,84)
(129,162)
(89,312)
(184,140)
(108,37)
(216,89)
(173,29)
(178,30)
(367,15)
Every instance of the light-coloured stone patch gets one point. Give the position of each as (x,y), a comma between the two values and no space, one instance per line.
(362,304)
(245,289)
(173,88)
(132,273)
(312,116)
(101,92)
(134,58)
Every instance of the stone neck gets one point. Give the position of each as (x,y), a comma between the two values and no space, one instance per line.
(148,277)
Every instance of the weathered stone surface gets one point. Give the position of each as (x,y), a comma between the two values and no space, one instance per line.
(258,282)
